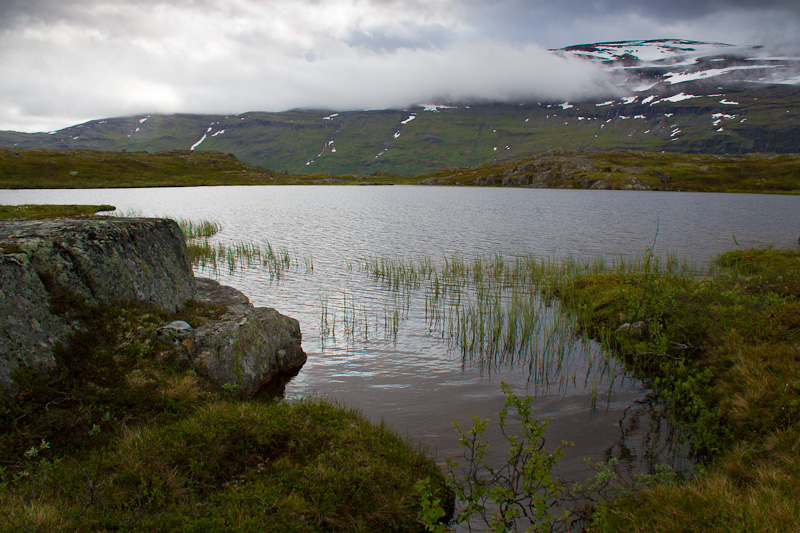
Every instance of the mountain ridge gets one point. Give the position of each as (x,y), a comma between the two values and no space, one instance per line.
(681,96)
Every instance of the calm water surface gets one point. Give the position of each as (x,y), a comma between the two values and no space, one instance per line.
(414,380)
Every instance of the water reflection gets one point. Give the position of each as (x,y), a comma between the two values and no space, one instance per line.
(414,378)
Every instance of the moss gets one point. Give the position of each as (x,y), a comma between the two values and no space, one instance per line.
(723,352)
(124,435)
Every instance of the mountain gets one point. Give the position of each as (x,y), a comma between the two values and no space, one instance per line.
(674,95)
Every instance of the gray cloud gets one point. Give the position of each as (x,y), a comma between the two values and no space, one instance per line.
(568,22)
(73,60)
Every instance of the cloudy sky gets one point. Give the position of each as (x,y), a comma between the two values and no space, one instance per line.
(68,61)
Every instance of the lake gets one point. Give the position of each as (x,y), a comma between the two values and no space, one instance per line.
(408,373)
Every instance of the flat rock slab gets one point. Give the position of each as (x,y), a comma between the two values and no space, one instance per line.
(105,259)
(99,260)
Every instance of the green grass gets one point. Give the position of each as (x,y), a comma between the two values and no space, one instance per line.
(124,435)
(51,211)
(614,169)
(71,169)
(724,351)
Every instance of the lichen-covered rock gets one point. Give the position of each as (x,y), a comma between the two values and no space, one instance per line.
(28,331)
(107,259)
(101,260)
(254,350)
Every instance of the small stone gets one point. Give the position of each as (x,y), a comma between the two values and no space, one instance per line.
(638,329)
(178,326)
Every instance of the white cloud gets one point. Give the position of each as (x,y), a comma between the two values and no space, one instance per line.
(74,60)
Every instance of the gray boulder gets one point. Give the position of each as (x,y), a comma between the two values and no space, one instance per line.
(106,259)
(253,350)
(96,259)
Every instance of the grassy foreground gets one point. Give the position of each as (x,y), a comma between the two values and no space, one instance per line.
(125,436)
(724,351)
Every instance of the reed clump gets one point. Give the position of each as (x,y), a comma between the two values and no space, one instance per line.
(213,256)
(503,310)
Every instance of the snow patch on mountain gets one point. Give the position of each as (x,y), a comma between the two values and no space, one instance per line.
(651,67)
(198,143)
(683,77)
(435,108)
(203,138)
(678,98)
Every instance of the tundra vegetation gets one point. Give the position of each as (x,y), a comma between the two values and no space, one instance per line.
(83,449)
(614,169)
(722,350)
(51,211)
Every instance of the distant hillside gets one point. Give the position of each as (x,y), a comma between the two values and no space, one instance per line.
(675,96)
(633,170)
(66,169)
(614,169)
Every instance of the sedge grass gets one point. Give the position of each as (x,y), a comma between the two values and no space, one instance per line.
(214,256)
(496,311)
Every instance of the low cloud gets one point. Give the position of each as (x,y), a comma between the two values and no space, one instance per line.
(75,60)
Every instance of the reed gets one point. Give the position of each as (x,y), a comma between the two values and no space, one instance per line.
(238,255)
(508,311)
(194,229)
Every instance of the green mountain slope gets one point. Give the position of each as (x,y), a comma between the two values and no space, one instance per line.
(751,118)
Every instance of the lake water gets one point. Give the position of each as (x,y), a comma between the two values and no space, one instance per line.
(415,380)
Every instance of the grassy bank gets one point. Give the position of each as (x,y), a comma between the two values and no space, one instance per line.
(51,211)
(617,169)
(87,169)
(627,169)
(724,351)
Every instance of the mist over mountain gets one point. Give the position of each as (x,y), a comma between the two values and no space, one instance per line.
(670,95)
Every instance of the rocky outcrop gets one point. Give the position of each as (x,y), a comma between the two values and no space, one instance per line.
(106,260)
(93,259)
(28,330)
(254,350)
